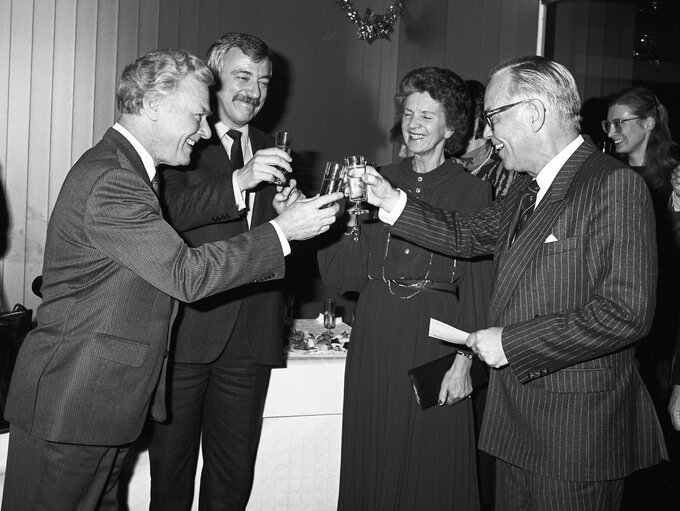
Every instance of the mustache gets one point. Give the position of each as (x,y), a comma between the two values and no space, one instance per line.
(247,99)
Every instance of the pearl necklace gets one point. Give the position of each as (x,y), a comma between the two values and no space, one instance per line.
(488,157)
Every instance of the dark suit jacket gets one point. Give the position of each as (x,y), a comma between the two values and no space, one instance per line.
(88,372)
(571,403)
(199,202)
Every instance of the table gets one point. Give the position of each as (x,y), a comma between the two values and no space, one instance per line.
(298,461)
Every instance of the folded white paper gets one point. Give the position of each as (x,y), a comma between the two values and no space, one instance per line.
(448,333)
(550,239)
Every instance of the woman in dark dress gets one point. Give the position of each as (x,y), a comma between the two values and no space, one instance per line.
(637,124)
(396,456)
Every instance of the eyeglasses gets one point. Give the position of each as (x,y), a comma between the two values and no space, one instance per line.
(616,123)
(489,115)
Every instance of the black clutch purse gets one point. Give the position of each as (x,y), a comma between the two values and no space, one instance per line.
(427,378)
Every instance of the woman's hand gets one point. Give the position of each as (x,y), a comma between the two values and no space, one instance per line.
(456,384)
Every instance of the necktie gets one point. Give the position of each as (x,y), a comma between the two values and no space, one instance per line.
(526,206)
(236,154)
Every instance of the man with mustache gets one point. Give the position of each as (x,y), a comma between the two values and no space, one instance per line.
(225,345)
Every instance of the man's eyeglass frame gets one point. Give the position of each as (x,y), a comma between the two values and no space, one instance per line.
(617,123)
(489,115)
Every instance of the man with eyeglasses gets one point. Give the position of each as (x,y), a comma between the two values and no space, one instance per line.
(567,415)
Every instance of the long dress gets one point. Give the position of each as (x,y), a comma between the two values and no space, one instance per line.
(396,456)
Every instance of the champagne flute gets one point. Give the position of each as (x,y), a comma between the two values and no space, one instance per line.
(356,167)
(333,179)
(605,146)
(283,141)
(329,314)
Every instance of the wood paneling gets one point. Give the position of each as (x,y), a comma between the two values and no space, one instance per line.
(333,91)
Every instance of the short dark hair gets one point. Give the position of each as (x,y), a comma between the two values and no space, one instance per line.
(250,45)
(446,88)
(477,90)
(157,73)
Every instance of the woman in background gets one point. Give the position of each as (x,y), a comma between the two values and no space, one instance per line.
(396,456)
(480,158)
(637,124)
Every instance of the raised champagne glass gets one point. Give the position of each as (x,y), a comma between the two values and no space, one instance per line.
(356,167)
(283,141)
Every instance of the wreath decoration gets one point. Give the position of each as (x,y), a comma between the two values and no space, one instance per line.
(372,25)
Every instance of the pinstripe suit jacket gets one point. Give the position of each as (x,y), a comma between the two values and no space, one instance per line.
(570,404)
(113,269)
(200,204)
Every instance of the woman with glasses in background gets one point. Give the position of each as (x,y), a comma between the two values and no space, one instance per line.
(637,124)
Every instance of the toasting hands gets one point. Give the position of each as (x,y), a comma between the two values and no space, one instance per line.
(306,218)
(286,196)
(380,192)
(262,168)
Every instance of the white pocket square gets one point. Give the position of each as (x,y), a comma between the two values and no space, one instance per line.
(550,239)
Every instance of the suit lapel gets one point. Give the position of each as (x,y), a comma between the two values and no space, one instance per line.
(515,260)
(132,161)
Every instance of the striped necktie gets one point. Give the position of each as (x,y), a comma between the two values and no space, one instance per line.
(526,207)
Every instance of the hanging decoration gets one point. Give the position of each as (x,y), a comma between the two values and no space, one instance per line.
(372,25)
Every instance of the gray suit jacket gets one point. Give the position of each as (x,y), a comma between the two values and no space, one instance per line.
(113,269)
(570,404)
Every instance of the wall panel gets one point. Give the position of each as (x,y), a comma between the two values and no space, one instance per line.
(16,182)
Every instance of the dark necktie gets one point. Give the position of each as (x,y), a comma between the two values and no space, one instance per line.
(526,207)
(236,154)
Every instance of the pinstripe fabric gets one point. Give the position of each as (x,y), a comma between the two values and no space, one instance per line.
(113,267)
(571,404)
(521,490)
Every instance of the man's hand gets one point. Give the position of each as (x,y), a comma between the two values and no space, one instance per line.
(674,407)
(457,384)
(286,196)
(305,218)
(488,347)
(262,168)
(380,192)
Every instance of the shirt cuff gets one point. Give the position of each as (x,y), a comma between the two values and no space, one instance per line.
(392,216)
(285,246)
(239,195)
(675,202)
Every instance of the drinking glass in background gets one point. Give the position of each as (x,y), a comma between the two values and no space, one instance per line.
(329,314)
(283,141)
(333,179)
(606,147)
(356,167)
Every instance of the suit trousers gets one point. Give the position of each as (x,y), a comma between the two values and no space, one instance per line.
(52,476)
(217,407)
(520,490)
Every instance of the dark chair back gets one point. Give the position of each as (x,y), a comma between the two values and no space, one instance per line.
(14,325)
